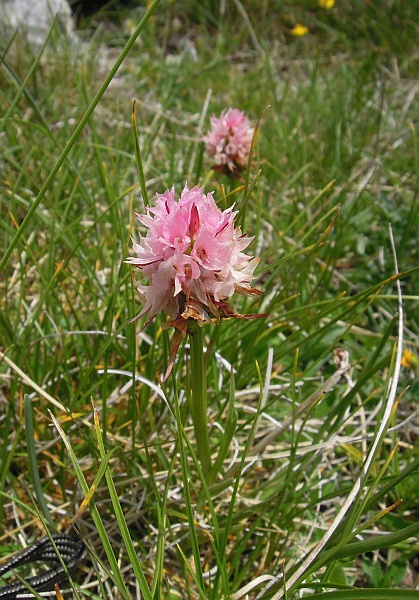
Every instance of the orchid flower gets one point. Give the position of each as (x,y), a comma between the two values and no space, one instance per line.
(229,141)
(193,258)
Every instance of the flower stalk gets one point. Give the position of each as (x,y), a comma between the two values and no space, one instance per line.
(199,399)
(192,258)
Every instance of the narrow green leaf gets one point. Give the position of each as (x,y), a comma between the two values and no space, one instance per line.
(229,431)
(33,462)
(139,161)
(145,590)
(378,541)
(116,573)
(367,594)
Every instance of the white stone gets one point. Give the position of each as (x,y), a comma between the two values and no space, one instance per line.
(34,19)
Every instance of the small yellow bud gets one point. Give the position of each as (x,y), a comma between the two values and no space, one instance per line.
(299,30)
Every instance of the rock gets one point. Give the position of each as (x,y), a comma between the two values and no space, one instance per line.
(34,19)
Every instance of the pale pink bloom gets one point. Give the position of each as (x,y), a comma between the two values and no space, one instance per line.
(229,141)
(192,256)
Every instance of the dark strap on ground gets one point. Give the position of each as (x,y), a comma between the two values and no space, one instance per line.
(71,550)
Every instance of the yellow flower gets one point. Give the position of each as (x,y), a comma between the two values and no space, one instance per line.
(299,30)
(410,360)
(326,4)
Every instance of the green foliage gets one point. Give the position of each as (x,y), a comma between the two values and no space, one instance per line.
(338,156)
(391,577)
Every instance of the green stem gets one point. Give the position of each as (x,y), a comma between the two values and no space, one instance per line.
(199,399)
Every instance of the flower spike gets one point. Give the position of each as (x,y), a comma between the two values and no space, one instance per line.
(229,141)
(193,259)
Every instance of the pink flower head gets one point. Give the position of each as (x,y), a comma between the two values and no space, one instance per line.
(193,259)
(229,141)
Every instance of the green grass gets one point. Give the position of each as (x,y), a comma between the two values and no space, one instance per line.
(312,456)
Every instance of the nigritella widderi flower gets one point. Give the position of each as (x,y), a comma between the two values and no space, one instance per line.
(229,141)
(192,256)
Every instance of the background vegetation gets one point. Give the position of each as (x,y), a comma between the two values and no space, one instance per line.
(337,151)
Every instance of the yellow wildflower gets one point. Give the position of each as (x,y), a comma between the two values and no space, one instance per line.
(410,360)
(326,4)
(299,30)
